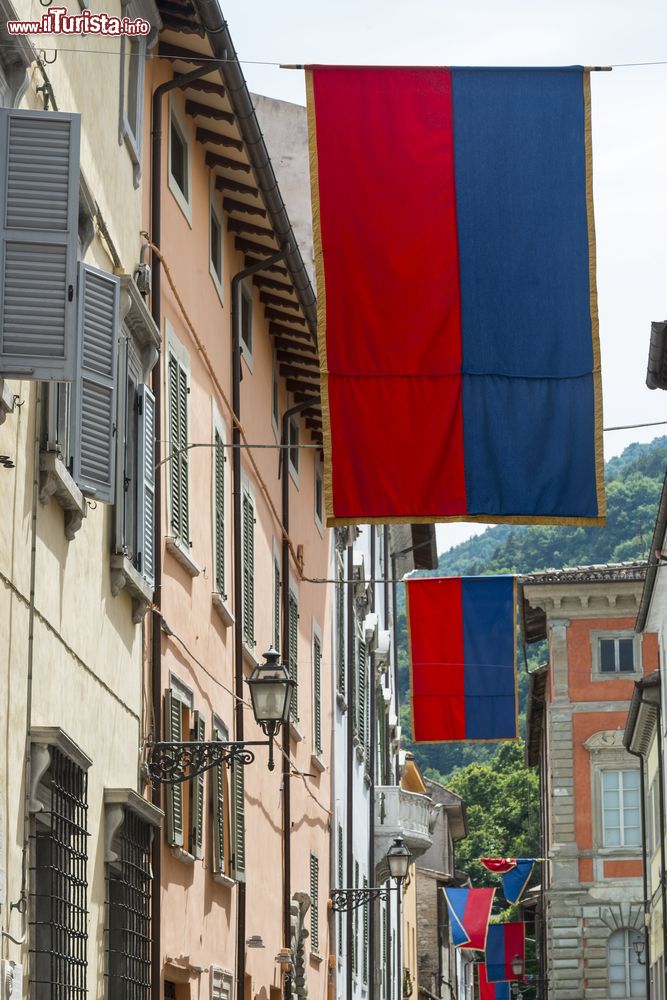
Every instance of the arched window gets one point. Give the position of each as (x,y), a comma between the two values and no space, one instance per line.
(627,977)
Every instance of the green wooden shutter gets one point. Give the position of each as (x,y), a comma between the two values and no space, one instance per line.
(93,436)
(197,796)
(39,212)
(383,951)
(178,441)
(219,495)
(361,693)
(174,734)
(364,953)
(146,492)
(248,570)
(293,655)
(317,696)
(238,822)
(276,605)
(314,904)
(355,941)
(340,886)
(340,628)
(218,817)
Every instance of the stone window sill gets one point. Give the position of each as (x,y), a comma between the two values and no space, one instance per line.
(55,481)
(316,957)
(317,762)
(340,701)
(224,880)
(249,655)
(125,576)
(222,610)
(6,400)
(182,555)
(294,731)
(182,855)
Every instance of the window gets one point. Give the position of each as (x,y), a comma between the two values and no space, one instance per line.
(248,515)
(218,789)
(626,976)
(293,626)
(132,62)
(340,624)
(197,799)
(179,488)
(620,808)
(293,450)
(128,858)
(314,904)
(177,717)
(216,244)
(238,821)
(355,929)
(362,693)
(364,949)
(276,601)
(658,979)
(341,885)
(179,160)
(222,984)
(58,876)
(319,495)
(317,695)
(275,396)
(219,514)
(617,655)
(246,322)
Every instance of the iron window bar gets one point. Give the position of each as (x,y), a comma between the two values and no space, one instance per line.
(129,911)
(59,887)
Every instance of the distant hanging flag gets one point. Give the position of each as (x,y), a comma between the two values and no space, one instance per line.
(462,653)
(491,991)
(504,944)
(469,912)
(457,323)
(515,874)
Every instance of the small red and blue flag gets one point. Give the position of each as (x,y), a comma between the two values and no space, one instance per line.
(515,874)
(462,650)
(469,912)
(491,991)
(505,943)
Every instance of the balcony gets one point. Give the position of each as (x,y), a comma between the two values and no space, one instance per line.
(401,814)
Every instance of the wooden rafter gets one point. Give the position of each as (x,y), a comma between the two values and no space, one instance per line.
(215,160)
(196,109)
(282,317)
(219,139)
(278,300)
(231,205)
(229,184)
(243,226)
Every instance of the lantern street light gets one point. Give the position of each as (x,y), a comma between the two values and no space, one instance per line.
(638,945)
(398,858)
(517,967)
(270,688)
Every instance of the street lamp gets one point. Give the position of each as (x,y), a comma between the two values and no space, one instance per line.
(638,945)
(270,688)
(398,859)
(517,967)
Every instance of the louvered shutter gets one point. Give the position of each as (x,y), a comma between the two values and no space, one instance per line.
(121,448)
(146,486)
(276,605)
(293,626)
(197,796)
(317,699)
(39,180)
(178,454)
(314,904)
(94,391)
(383,951)
(219,499)
(355,936)
(364,949)
(361,693)
(218,818)
(248,570)
(238,821)
(173,734)
(339,874)
(340,628)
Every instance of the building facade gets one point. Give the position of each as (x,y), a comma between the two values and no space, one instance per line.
(593,904)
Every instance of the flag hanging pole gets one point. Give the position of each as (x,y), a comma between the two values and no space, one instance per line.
(587,69)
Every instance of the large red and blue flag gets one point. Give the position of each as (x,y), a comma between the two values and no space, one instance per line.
(515,874)
(469,912)
(457,308)
(505,943)
(491,991)
(462,652)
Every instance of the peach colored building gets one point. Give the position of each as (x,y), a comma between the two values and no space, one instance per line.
(232,898)
(592,907)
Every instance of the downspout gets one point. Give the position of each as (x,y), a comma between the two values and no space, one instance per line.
(238,278)
(372,711)
(661,781)
(642,793)
(283,470)
(156,381)
(349,804)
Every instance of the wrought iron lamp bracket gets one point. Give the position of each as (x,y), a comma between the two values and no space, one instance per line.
(343,900)
(173,763)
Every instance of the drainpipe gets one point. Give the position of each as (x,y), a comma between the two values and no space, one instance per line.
(156,634)
(238,278)
(663,868)
(372,711)
(349,805)
(283,469)
(642,793)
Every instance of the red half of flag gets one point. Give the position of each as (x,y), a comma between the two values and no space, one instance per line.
(499,866)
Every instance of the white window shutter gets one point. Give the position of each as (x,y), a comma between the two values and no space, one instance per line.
(94,445)
(39,213)
(146,498)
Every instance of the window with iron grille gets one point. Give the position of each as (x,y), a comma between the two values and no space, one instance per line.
(314,904)
(129,911)
(58,881)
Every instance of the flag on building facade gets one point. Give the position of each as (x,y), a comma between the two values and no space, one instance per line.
(491,991)
(504,944)
(462,653)
(457,324)
(469,912)
(515,874)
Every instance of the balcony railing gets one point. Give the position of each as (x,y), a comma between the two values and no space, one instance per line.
(401,814)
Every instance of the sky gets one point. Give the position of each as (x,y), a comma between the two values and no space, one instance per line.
(629,113)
